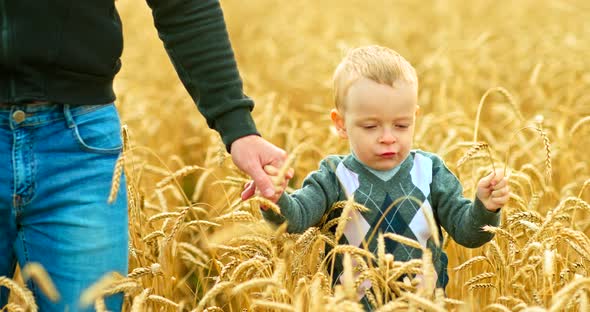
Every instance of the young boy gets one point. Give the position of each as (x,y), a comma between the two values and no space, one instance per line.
(376,105)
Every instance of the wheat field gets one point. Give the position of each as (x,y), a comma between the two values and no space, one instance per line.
(503,84)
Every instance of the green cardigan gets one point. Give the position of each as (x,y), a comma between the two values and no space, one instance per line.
(423,182)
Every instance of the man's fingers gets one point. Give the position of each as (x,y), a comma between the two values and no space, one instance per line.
(250,153)
(249,190)
(278,185)
(263,182)
(248,184)
(271,170)
(290,174)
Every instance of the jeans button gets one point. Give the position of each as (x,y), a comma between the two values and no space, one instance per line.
(19,116)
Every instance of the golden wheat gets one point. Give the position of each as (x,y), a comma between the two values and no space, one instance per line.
(23,293)
(37,273)
(190,232)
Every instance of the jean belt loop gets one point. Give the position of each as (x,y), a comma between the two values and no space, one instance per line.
(68,116)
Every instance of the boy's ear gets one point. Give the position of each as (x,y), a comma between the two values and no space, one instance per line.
(338,121)
(417,110)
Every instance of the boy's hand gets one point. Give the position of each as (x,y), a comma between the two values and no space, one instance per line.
(280,184)
(493,190)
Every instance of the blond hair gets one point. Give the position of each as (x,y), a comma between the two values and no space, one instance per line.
(377,63)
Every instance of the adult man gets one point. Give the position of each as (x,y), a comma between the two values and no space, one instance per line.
(60,132)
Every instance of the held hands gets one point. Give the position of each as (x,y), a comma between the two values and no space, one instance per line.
(280,184)
(493,190)
(251,154)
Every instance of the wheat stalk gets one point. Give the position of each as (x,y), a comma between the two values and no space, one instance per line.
(497,307)
(21,292)
(476,147)
(116,181)
(108,284)
(139,301)
(99,305)
(546,144)
(273,306)
(500,232)
(263,283)
(219,288)
(236,216)
(473,287)
(479,277)
(163,301)
(584,186)
(581,122)
(346,212)
(183,172)
(37,273)
(482,101)
(467,264)
(258,201)
(426,304)
(565,294)
(194,250)
(403,240)
(352,250)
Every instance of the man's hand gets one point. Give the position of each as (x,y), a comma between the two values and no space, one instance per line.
(251,153)
(280,184)
(493,190)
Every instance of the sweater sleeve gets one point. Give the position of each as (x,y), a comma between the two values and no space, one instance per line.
(196,39)
(306,206)
(462,218)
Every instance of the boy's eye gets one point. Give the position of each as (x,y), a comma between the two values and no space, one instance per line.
(368,126)
(402,126)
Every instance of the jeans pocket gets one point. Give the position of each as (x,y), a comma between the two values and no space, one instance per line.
(98,130)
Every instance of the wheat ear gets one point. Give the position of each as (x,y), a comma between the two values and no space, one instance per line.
(546,143)
(476,147)
(37,273)
(482,100)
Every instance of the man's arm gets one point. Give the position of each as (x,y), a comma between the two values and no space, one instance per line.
(196,39)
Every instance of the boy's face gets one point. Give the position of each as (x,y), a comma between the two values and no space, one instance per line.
(378,121)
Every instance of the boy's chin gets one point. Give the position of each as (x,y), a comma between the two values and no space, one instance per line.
(383,167)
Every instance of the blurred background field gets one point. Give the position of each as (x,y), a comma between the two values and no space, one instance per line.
(194,245)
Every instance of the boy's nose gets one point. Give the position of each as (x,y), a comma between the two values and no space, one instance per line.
(387,137)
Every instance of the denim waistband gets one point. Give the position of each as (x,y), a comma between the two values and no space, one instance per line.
(35,114)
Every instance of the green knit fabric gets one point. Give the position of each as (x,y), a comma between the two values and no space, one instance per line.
(394,205)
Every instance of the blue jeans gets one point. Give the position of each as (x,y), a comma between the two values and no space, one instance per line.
(56,167)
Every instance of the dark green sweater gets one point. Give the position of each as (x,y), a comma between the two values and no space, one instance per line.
(423,183)
(67,51)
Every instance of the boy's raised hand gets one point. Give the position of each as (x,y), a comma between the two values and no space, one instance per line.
(493,190)
(280,183)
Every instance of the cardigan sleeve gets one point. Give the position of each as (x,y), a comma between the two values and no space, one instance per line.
(462,218)
(306,206)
